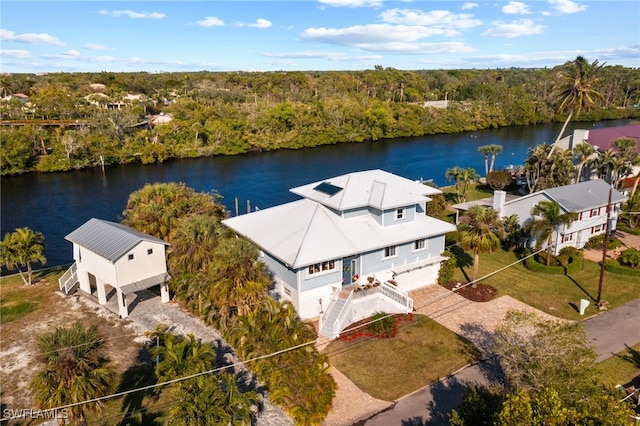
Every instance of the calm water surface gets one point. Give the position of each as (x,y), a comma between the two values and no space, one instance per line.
(57,203)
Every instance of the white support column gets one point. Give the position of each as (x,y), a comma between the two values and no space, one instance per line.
(123,309)
(102,292)
(164,292)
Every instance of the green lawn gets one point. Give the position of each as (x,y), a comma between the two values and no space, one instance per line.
(622,368)
(558,295)
(421,353)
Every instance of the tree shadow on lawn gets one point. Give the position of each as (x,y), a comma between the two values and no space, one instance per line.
(581,288)
(463,260)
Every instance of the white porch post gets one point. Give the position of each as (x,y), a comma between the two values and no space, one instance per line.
(102,291)
(164,292)
(123,310)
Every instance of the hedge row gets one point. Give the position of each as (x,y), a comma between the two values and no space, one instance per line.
(614,266)
(574,265)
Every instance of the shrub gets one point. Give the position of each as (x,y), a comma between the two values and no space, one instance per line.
(596,242)
(630,257)
(567,262)
(447,268)
(382,324)
(615,267)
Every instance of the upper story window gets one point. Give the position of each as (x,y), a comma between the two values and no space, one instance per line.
(399,214)
(130,256)
(390,251)
(420,244)
(329,265)
(594,212)
(150,251)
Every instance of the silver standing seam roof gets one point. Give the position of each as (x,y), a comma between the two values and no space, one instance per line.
(584,195)
(109,239)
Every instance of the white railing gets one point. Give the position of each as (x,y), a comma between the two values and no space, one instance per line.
(68,279)
(345,317)
(325,315)
(397,295)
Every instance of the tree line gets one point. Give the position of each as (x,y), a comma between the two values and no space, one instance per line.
(228,113)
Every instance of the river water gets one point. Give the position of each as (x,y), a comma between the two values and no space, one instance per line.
(57,203)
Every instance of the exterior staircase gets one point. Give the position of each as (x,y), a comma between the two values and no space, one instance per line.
(332,317)
(69,280)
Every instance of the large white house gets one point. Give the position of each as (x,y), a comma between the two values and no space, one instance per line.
(345,231)
(113,256)
(588,199)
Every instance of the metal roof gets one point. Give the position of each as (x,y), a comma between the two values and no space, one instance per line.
(108,239)
(584,195)
(373,188)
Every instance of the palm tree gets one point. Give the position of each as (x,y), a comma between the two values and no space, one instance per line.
(462,178)
(238,280)
(547,217)
(75,370)
(489,150)
(583,151)
(21,249)
(576,81)
(478,227)
(511,231)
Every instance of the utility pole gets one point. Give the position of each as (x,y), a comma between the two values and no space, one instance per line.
(604,251)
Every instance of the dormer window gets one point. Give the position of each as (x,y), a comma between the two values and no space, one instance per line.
(399,214)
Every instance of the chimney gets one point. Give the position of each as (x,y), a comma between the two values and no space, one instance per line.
(499,198)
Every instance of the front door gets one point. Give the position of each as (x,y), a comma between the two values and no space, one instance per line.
(350,267)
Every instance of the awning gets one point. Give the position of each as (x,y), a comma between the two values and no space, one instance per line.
(145,284)
(418,265)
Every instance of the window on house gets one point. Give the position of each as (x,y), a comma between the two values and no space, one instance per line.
(420,244)
(399,214)
(390,251)
(594,212)
(130,256)
(596,228)
(150,251)
(329,265)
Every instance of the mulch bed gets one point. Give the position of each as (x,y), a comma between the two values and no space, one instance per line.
(482,292)
(360,330)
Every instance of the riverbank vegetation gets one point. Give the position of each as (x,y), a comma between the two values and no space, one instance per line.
(79,120)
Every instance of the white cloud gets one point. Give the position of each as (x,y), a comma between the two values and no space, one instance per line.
(469,6)
(330,56)
(522,27)
(567,6)
(131,14)
(385,38)
(352,3)
(260,23)
(94,46)
(516,8)
(435,18)
(210,21)
(71,54)
(29,38)
(15,53)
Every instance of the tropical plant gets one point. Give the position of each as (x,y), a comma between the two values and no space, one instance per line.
(477,231)
(22,248)
(546,168)
(576,89)
(583,151)
(75,371)
(489,150)
(499,180)
(511,231)
(546,218)
(462,178)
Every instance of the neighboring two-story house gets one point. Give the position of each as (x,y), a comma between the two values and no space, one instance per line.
(345,231)
(111,256)
(588,199)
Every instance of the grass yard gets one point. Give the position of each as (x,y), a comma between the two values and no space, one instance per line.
(622,368)
(422,352)
(558,295)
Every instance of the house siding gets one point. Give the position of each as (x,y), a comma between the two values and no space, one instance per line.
(138,268)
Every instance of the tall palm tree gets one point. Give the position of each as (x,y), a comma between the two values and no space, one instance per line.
(489,150)
(23,248)
(75,370)
(583,151)
(547,217)
(478,227)
(462,177)
(576,81)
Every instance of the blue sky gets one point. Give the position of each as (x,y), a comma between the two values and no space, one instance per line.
(300,35)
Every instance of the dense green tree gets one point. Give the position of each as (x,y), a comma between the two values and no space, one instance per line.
(583,151)
(21,249)
(477,232)
(75,371)
(547,218)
